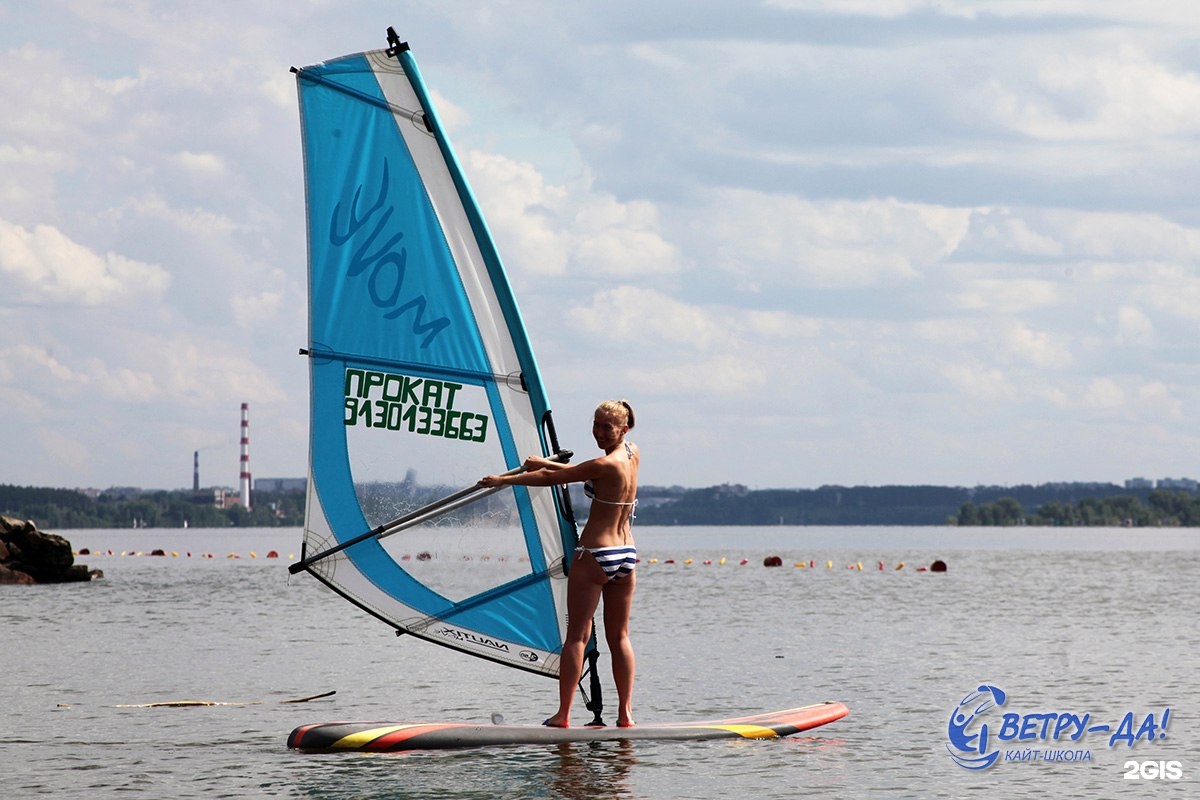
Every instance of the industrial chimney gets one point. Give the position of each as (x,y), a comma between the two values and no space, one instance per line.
(196,471)
(245,477)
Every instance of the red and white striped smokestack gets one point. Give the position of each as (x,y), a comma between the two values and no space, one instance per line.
(245,477)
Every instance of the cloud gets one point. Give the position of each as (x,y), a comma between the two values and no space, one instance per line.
(763,238)
(43,266)
(550,230)
(716,377)
(1057,235)
(201,164)
(629,315)
(1158,400)
(523,213)
(85,379)
(46,86)
(1006,295)
(1103,394)
(998,233)
(1042,349)
(622,239)
(1172,290)
(1133,326)
(980,383)
(870,8)
(782,325)
(1093,92)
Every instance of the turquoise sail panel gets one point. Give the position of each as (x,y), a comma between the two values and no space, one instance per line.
(422,380)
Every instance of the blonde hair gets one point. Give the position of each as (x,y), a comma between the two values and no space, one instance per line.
(619,408)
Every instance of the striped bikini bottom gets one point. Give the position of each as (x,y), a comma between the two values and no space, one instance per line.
(617,562)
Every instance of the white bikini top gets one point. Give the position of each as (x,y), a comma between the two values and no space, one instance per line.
(590,490)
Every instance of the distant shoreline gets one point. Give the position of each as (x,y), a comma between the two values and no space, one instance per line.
(1051,505)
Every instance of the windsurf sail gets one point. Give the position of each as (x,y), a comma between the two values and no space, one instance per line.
(422,380)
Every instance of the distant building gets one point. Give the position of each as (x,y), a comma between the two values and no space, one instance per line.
(280,484)
(122,492)
(1179,484)
(223,497)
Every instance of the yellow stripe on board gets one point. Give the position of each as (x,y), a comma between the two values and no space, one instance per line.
(748,731)
(356,741)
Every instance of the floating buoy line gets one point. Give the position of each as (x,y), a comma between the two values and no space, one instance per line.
(769,561)
(777,561)
(85,551)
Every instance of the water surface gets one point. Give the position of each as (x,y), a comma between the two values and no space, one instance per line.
(1096,621)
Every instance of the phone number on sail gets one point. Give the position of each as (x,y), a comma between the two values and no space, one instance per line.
(424,420)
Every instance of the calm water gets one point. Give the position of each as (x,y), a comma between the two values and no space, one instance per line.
(1097,621)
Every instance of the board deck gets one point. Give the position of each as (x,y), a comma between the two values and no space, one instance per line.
(391,737)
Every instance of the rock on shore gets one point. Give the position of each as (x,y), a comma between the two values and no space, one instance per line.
(29,556)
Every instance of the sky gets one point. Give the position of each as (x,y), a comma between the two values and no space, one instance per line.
(813,242)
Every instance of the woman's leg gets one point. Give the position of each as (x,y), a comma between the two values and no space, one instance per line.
(618,603)
(584,585)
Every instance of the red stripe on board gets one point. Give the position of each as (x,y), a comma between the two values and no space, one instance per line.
(392,740)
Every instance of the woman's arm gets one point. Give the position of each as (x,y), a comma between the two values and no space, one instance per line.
(534,463)
(549,476)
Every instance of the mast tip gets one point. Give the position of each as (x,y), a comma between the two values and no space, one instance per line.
(395,46)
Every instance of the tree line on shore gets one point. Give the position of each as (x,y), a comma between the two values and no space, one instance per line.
(59,509)
(1076,504)
(1161,509)
(1054,504)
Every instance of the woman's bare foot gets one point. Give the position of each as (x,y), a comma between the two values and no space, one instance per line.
(557,721)
(624,722)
